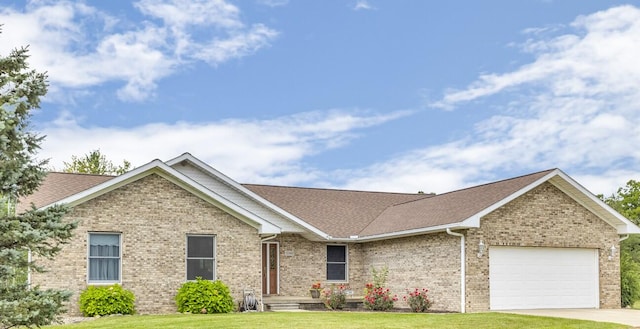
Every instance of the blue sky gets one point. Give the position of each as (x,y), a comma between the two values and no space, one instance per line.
(371,95)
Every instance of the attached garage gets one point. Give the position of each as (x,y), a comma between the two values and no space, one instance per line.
(536,277)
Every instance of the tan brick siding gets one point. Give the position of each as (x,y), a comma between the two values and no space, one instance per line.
(543,217)
(154,217)
(425,261)
(303,262)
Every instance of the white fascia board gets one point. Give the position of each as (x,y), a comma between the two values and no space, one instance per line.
(163,170)
(217,174)
(406,233)
(621,223)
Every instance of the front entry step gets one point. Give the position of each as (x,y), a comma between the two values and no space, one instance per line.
(282,307)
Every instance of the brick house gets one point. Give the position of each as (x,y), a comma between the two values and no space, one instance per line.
(534,241)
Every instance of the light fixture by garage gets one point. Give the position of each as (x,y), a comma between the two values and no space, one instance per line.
(481,248)
(612,252)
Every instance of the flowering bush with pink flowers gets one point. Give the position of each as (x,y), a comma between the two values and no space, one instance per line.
(378,299)
(335,297)
(418,300)
(376,296)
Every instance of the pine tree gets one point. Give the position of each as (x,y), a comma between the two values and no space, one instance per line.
(40,232)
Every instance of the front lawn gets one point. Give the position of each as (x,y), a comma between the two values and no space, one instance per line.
(347,320)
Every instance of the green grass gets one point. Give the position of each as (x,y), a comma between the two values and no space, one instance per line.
(347,320)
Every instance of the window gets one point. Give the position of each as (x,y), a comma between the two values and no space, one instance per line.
(336,263)
(200,257)
(104,257)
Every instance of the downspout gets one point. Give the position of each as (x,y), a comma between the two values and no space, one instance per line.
(623,238)
(463,270)
(262,240)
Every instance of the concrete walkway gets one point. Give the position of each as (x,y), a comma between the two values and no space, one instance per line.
(623,316)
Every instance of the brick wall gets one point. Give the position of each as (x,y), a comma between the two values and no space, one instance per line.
(543,217)
(154,217)
(426,261)
(303,262)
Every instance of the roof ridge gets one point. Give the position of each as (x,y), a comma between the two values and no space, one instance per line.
(78,173)
(496,182)
(335,189)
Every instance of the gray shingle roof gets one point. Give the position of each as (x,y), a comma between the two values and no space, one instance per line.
(342,213)
(339,213)
(447,208)
(57,186)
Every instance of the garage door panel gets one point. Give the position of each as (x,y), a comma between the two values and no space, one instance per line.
(526,278)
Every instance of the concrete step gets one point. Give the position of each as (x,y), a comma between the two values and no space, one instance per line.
(283,307)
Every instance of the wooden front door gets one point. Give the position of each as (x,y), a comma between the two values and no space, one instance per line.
(270,268)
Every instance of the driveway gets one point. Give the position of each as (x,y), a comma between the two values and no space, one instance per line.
(623,316)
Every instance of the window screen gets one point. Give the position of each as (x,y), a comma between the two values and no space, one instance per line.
(200,257)
(337,263)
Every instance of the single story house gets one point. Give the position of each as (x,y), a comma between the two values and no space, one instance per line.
(534,241)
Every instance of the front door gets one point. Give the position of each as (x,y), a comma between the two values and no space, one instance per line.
(270,268)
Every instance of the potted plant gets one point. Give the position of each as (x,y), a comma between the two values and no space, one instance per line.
(315,290)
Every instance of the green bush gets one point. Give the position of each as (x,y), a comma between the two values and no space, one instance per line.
(106,300)
(204,296)
(629,280)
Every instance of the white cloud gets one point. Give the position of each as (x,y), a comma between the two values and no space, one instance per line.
(363,5)
(576,107)
(255,151)
(82,47)
(238,45)
(273,3)
(183,13)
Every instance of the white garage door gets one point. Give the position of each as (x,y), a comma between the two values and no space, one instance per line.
(529,278)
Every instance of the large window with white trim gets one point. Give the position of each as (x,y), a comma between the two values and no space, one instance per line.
(201,257)
(104,257)
(336,263)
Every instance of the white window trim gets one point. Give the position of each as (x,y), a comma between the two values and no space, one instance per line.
(186,255)
(104,282)
(346,263)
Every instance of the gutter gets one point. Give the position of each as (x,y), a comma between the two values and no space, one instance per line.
(463,271)
(268,238)
(400,234)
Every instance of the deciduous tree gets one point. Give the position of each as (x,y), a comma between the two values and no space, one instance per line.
(95,163)
(626,201)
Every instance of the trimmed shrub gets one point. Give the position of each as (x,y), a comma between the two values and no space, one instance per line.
(204,296)
(106,300)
